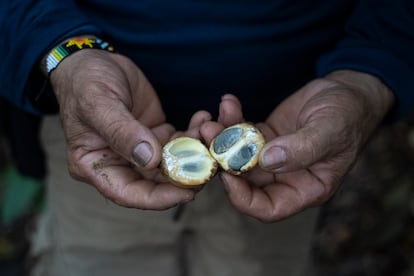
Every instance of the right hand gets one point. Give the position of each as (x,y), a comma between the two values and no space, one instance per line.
(112,119)
(312,140)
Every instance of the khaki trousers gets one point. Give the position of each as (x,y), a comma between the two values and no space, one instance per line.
(83,234)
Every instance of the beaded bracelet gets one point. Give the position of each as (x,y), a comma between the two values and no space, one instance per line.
(62,51)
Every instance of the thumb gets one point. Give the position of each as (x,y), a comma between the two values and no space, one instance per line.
(127,136)
(295,151)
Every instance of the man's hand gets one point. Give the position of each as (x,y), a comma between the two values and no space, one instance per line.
(312,140)
(112,119)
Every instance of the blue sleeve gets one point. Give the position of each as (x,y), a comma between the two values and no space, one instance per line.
(379,40)
(29,29)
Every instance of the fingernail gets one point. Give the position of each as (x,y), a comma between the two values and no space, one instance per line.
(142,153)
(274,158)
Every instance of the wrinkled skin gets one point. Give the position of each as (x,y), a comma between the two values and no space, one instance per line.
(112,118)
(108,108)
(312,140)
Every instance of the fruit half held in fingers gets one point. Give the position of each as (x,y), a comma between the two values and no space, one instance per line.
(237,148)
(187,162)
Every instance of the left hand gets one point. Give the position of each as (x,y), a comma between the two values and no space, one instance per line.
(115,128)
(312,140)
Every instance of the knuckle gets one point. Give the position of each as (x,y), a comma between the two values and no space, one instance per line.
(75,171)
(120,201)
(323,196)
(271,215)
(115,132)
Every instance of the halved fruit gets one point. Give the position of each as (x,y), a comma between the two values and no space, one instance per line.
(187,162)
(237,148)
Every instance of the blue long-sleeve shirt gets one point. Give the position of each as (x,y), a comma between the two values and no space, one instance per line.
(195,51)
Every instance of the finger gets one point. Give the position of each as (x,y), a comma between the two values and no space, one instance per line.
(298,150)
(267,132)
(258,177)
(209,130)
(197,120)
(121,184)
(273,202)
(127,136)
(230,110)
(163,133)
(139,193)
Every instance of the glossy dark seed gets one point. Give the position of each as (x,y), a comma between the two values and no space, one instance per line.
(242,157)
(185,153)
(191,167)
(226,139)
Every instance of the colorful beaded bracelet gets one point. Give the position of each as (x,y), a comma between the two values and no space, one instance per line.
(59,53)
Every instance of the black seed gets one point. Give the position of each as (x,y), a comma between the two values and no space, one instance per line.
(242,157)
(226,139)
(191,167)
(185,153)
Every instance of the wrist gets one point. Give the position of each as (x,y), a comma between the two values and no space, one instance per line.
(56,55)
